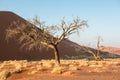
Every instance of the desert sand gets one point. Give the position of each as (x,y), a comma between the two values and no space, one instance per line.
(108,69)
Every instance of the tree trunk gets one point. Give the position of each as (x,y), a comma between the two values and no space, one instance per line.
(56,54)
(98,56)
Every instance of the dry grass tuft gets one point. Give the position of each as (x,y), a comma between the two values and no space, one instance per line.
(57,70)
(48,63)
(4,74)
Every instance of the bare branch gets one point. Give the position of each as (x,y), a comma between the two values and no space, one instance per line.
(86,49)
(95,54)
(73,27)
(29,36)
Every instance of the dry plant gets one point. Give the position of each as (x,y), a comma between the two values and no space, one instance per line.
(4,74)
(96,54)
(57,70)
(32,37)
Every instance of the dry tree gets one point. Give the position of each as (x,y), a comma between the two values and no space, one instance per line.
(35,34)
(95,53)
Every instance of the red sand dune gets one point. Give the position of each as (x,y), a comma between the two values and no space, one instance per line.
(113,50)
(12,50)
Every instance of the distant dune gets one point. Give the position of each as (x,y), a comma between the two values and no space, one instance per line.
(11,50)
(113,50)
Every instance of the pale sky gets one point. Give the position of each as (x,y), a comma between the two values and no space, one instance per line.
(103,16)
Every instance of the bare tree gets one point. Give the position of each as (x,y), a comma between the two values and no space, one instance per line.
(96,54)
(30,36)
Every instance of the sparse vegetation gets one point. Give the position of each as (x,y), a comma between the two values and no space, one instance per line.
(68,67)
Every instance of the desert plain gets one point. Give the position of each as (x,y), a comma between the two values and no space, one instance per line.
(108,69)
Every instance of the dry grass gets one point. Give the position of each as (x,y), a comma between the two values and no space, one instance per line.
(67,67)
(4,74)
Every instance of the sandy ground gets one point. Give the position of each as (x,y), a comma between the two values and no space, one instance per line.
(108,69)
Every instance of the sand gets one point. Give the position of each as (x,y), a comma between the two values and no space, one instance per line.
(108,69)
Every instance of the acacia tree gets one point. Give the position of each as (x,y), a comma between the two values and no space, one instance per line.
(30,36)
(96,54)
